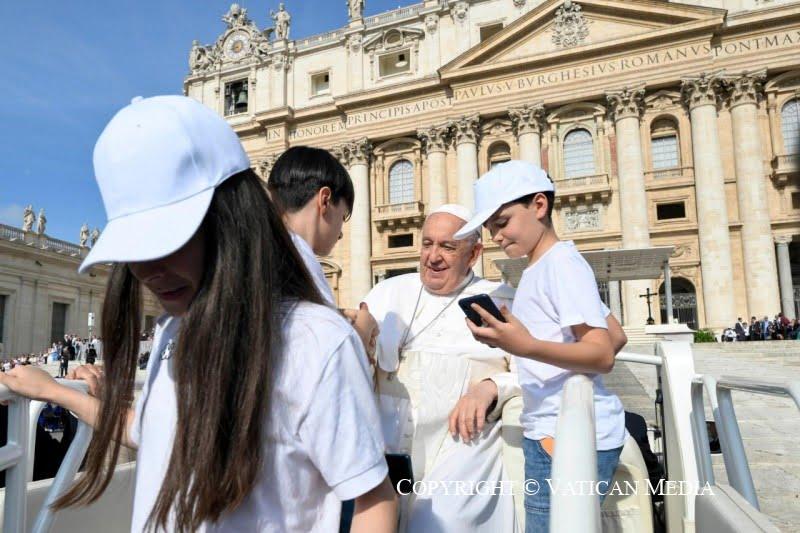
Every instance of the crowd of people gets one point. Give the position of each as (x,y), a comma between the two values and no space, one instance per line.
(778,329)
(71,348)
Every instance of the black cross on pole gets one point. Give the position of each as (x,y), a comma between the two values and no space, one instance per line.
(649,295)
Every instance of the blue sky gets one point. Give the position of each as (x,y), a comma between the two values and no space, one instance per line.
(69,66)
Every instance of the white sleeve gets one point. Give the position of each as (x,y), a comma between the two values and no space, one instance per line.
(575,295)
(341,429)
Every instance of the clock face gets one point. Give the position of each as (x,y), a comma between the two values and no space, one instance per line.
(237,45)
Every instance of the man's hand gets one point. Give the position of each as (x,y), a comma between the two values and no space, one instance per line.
(31,382)
(468,417)
(366,326)
(91,374)
(511,336)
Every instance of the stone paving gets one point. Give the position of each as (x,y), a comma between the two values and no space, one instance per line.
(770,426)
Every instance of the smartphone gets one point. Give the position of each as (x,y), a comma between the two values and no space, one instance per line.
(485,302)
(400,472)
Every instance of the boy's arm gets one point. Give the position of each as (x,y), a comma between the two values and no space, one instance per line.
(616,333)
(592,353)
(376,510)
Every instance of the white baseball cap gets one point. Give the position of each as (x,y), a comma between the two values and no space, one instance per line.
(504,183)
(157,164)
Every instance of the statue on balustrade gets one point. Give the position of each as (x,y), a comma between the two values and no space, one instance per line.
(28,218)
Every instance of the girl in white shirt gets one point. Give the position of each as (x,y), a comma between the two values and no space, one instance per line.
(257,412)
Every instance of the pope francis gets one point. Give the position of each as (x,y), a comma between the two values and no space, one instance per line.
(440,392)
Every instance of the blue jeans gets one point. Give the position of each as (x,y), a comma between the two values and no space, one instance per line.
(538,465)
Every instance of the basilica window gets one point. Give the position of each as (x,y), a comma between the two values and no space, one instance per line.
(401,182)
(394,63)
(321,83)
(235,97)
(790,126)
(671,211)
(578,154)
(403,240)
(664,145)
(499,153)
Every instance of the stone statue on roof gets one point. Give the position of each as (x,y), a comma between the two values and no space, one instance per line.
(355,9)
(282,19)
(40,227)
(84,237)
(28,218)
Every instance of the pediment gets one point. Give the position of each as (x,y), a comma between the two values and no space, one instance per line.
(393,38)
(557,28)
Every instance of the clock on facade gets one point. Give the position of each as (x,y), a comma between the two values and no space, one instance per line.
(237,45)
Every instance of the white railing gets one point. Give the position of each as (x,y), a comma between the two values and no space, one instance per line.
(575,460)
(60,246)
(11,233)
(16,458)
(734,457)
(319,39)
(394,15)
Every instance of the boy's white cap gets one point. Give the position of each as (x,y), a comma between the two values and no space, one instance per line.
(157,164)
(505,183)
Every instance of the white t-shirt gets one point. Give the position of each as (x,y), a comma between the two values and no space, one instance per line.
(314,268)
(324,443)
(555,293)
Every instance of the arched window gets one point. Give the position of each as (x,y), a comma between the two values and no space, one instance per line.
(578,154)
(401,182)
(499,152)
(790,126)
(664,145)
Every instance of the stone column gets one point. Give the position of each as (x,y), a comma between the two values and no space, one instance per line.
(785,277)
(281,62)
(614,299)
(760,270)
(435,141)
(465,136)
(527,121)
(700,95)
(357,154)
(626,106)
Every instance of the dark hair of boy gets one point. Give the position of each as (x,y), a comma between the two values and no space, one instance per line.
(528,198)
(301,171)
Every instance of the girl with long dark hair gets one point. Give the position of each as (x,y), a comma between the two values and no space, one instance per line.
(257,411)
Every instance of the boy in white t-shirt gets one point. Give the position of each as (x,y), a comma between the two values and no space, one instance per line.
(557,326)
(316,195)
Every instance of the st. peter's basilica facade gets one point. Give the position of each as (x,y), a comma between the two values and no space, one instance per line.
(661,123)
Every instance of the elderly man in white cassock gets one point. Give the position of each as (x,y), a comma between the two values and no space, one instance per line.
(441,393)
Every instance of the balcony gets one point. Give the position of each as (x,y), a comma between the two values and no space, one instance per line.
(398,215)
(785,166)
(582,189)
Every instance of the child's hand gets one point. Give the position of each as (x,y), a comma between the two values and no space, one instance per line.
(511,336)
(30,382)
(91,374)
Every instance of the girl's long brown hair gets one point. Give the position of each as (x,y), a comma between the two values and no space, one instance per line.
(228,348)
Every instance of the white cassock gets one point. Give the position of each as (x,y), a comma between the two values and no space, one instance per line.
(417,389)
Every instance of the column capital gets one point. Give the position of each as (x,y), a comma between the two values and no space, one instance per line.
(701,90)
(745,88)
(527,118)
(358,152)
(628,102)
(466,129)
(782,239)
(435,138)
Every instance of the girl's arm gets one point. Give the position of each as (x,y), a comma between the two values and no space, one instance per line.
(376,510)
(36,384)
